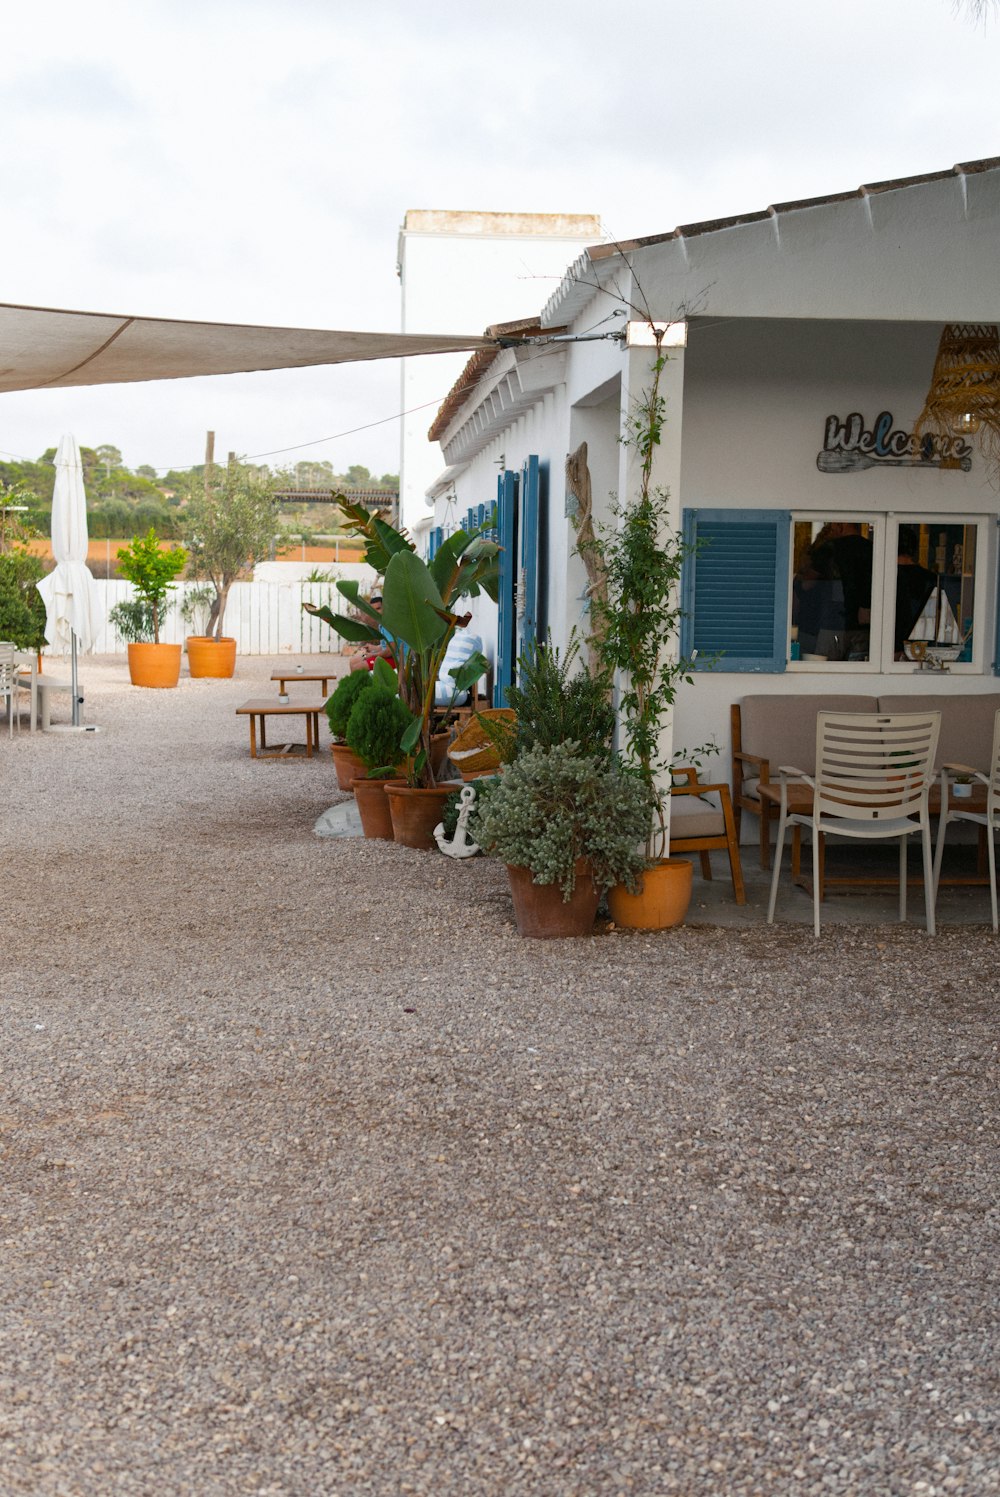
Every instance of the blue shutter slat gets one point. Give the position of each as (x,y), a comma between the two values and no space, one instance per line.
(735,588)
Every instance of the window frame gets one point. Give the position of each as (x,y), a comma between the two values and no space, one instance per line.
(884,531)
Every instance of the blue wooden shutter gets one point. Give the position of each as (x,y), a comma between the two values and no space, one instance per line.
(506,618)
(735,588)
(528,598)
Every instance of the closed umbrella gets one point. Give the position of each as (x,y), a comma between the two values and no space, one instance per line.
(68,590)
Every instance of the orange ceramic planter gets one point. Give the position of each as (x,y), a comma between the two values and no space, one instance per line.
(208,656)
(154,665)
(662,900)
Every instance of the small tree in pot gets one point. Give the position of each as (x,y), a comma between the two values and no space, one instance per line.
(152,573)
(636,619)
(228,528)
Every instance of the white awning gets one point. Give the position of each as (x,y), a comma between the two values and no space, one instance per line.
(43,348)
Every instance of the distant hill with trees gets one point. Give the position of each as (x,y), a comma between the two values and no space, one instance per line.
(122,502)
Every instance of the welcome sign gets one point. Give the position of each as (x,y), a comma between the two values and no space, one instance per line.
(849,446)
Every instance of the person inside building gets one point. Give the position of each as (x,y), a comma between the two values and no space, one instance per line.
(914,584)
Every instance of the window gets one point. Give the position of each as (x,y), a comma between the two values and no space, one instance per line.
(833,562)
(767,590)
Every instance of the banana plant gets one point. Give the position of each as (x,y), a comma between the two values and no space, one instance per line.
(419,616)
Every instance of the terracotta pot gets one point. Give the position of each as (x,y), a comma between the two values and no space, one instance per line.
(415,813)
(373,807)
(541,911)
(208,656)
(347,764)
(662,900)
(154,665)
(439,751)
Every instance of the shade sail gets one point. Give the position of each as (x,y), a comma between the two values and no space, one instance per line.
(43,348)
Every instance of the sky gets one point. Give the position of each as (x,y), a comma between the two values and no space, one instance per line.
(252,161)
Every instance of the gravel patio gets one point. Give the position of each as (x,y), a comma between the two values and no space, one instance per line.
(317,1180)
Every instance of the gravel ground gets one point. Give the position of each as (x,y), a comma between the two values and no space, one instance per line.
(316,1179)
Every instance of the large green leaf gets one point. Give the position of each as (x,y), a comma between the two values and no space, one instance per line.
(350,629)
(352,592)
(470,671)
(411,603)
(460,563)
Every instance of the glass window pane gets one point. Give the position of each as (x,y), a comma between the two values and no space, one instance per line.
(832,590)
(935,591)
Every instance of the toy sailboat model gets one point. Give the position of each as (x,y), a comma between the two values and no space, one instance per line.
(936,635)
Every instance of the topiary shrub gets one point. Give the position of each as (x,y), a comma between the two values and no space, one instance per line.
(375,730)
(340,704)
(554,805)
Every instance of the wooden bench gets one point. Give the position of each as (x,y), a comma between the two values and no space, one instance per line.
(259,709)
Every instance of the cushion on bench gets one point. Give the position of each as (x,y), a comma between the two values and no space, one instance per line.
(782,728)
(966,723)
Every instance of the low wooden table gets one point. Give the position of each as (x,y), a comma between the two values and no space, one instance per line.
(259,709)
(322,676)
(800,801)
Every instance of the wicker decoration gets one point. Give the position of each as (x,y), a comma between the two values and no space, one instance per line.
(472,751)
(964,397)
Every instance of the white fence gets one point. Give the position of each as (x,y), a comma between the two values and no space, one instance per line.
(267,618)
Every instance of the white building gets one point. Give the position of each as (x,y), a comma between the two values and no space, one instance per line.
(802,351)
(459,271)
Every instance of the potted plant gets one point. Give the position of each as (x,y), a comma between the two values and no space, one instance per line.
(568,825)
(228,528)
(549,704)
(151,571)
(375,728)
(635,618)
(338,708)
(22,610)
(418,620)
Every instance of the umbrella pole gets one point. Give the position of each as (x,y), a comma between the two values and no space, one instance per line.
(73,680)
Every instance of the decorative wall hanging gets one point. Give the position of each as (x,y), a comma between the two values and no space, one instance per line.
(964,397)
(849,446)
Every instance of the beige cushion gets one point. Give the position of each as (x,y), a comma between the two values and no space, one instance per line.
(782,728)
(690,816)
(966,723)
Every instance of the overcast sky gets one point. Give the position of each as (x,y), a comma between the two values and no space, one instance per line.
(252,160)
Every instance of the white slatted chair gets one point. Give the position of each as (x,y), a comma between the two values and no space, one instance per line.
(990,818)
(8,683)
(872,782)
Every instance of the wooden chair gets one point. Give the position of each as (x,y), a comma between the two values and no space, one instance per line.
(873,778)
(987,821)
(697,825)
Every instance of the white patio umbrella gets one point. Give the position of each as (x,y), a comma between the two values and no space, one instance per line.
(68,590)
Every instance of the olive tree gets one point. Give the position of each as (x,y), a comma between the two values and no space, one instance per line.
(228,528)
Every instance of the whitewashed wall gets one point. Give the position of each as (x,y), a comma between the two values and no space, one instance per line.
(266,618)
